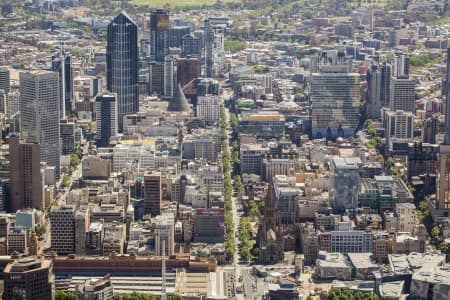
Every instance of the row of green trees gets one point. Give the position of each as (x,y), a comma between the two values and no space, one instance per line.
(346,294)
(247,248)
(424,215)
(70,295)
(75,160)
(235,157)
(230,244)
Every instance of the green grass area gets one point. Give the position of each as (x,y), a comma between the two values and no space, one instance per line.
(176,3)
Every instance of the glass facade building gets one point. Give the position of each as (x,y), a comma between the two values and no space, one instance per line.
(335,104)
(122,65)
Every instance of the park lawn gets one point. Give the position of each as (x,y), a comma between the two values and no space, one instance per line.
(176,3)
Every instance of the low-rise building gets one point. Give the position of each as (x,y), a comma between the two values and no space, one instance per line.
(333,266)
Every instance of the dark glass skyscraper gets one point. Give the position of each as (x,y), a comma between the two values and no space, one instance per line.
(159,34)
(106,118)
(62,64)
(209,45)
(122,65)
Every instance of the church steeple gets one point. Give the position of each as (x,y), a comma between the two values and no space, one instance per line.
(271,241)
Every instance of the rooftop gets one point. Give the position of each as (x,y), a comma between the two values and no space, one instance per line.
(362,260)
(347,162)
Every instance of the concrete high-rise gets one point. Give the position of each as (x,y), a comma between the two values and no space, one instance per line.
(169,72)
(208,108)
(40,114)
(106,118)
(62,229)
(122,65)
(29,278)
(4,79)
(27,187)
(164,233)
(373,106)
(401,66)
(402,95)
(159,34)
(152,193)
(443,185)
(398,127)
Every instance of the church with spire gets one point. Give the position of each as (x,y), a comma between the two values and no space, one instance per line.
(270,234)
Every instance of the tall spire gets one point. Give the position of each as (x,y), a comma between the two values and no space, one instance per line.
(271,217)
(447,102)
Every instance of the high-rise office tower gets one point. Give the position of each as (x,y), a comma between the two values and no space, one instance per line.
(188,69)
(68,85)
(176,34)
(191,46)
(13,109)
(27,186)
(67,137)
(62,64)
(156,75)
(58,67)
(40,114)
(122,65)
(159,34)
(169,72)
(402,96)
(62,229)
(29,278)
(401,66)
(344,183)
(209,45)
(4,79)
(373,107)
(430,129)
(3,102)
(398,126)
(386,73)
(164,232)
(82,223)
(443,185)
(208,108)
(335,99)
(106,118)
(4,194)
(152,193)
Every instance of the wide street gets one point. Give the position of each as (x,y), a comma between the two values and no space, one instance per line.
(249,287)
